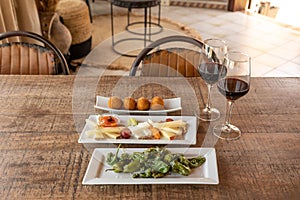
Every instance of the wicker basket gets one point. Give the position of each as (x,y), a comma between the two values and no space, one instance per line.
(76,18)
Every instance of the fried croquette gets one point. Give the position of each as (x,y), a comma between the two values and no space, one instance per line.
(129,103)
(157,106)
(143,104)
(115,102)
(157,103)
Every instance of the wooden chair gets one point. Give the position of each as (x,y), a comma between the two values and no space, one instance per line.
(180,57)
(30,58)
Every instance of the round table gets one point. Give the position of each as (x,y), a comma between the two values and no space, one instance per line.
(132,4)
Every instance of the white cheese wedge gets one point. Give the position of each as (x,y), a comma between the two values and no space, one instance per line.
(177,131)
(139,131)
(168,135)
(94,133)
(171,124)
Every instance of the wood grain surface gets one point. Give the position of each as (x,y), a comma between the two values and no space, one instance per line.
(40,117)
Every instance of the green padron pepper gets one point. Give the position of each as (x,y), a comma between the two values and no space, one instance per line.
(170,157)
(118,166)
(111,158)
(133,166)
(126,156)
(148,174)
(183,160)
(161,167)
(145,174)
(180,168)
(138,156)
(196,162)
(158,175)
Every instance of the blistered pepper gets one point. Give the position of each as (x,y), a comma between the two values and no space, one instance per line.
(180,168)
(133,166)
(196,162)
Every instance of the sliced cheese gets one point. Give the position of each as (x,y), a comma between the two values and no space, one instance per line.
(112,135)
(99,135)
(141,130)
(171,124)
(168,135)
(95,133)
(111,129)
(177,130)
(106,132)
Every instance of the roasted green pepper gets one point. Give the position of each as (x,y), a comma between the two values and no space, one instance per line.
(152,163)
(196,162)
(133,166)
(161,166)
(180,168)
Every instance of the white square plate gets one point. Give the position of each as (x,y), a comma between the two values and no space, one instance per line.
(171,105)
(189,136)
(96,173)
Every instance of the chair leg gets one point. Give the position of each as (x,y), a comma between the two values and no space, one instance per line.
(159,8)
(128,16)
(112,24)
(145,27)
(149,23)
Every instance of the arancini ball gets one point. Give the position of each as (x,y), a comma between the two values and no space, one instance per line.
(157,103)
(115,102)
(143,104)
(129,103)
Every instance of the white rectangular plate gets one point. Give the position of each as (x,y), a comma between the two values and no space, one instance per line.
(205,174)
(189,137)
(171,105)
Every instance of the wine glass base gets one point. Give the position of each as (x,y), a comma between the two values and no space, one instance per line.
(227,132)
(210,114)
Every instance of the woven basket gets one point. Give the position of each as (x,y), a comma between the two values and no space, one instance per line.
(76,18)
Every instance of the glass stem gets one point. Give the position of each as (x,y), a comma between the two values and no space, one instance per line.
(228,112)
(208,104)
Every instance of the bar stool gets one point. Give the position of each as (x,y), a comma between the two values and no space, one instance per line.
(130,4)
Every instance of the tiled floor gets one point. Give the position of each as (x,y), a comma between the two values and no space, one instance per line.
(275,49)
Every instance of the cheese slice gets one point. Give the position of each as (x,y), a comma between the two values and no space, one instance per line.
(94,133)
(112,135)
(111,129)
(177,131)
(171,124)
(168,135)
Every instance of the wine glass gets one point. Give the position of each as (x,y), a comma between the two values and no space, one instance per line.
(214,50)
(234,85)
(218,46)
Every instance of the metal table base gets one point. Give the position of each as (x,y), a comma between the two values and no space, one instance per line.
(130,4)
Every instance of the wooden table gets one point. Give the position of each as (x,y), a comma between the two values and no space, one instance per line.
(41,159)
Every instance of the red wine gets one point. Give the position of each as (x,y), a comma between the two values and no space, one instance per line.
(210,72)
(233,88)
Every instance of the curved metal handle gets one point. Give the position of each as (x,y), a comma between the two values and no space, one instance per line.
(150,47)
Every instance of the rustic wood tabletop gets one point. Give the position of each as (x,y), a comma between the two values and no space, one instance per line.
(41,118)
